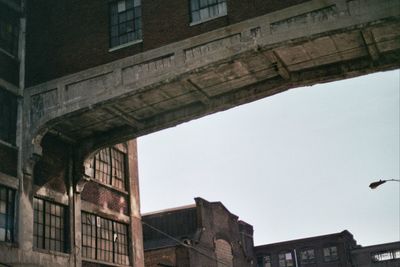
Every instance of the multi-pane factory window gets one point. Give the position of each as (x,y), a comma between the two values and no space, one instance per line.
(307,256)
(330,253)
(285,259)
(7,200)
(9,29)
(49,225)
(202,10)
(109,166)
(125,22)
(104,239)
(386,255)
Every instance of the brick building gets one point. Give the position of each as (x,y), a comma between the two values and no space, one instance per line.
(203,234)
(79,77)
(381,255)
(332,250)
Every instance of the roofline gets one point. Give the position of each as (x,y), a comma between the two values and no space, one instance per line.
(378,245)
(169,210)
(304,239)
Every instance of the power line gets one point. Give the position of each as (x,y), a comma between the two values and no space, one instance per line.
(184,244)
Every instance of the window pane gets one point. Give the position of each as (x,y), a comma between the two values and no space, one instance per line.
(204,13)
(194,5)
(203,3)
(121,6)
(196,16)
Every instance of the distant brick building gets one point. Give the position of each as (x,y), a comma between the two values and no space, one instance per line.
(204,234)
(332,250)
(381,255)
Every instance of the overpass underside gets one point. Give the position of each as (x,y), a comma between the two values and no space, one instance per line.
(315,42)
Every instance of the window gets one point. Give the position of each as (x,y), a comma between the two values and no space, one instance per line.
(49,225)
(202,10)
(307,256)
(330,253)
(264,261)
(285,259)
(125,22)
(9,29)
(386,255)
(104,239)
(7,200)
(8,116)
(109,165)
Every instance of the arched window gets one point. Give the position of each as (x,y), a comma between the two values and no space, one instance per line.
(223,251)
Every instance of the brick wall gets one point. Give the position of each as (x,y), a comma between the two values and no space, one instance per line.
(104,197)
(67,36)
(165,256)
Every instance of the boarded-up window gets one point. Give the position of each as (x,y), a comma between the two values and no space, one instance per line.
(223,251)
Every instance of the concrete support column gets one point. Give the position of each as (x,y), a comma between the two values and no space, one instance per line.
(25,213)
(136,249)
(76,238)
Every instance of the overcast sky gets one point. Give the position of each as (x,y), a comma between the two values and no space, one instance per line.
(294,165)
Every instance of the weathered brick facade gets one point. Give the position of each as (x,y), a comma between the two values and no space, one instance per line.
(205,234)
(105,197)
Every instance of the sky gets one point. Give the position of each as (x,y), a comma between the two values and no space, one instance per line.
(294,165)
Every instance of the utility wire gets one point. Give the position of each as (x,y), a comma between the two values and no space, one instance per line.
(183,244)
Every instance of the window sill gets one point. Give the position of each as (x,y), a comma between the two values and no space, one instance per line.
(103,262)
(2,142)
(206,20)
(125,45)
(51,252)
(8,244)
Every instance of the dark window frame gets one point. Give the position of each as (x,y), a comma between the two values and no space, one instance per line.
(264,260)
(112,171)
(284,253)
(8,204)
(214,9)
(125,26)
(308,260)
(394,254)
(50,225)
(330,257)
(108,231)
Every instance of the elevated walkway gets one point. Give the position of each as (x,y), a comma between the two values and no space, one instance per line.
(314,42)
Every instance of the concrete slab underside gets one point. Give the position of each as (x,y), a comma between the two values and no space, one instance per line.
(314,43)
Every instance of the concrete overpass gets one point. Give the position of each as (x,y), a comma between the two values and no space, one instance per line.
(314,42)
